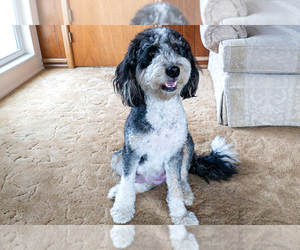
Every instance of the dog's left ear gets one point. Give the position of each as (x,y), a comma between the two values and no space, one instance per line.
(190,88)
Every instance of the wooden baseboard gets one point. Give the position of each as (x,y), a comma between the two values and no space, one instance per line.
(55,63)
(202,61)
(202,58)
(63,62)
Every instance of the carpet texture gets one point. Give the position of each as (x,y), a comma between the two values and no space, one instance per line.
(57,135)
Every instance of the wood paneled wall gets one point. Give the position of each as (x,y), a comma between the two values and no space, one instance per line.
(189,8)
(105,12)
(52,45)
(51,41)
(101,45)
(105,45)
(50,12)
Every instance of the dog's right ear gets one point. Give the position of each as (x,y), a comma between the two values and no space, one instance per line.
(125,82)
(190,88)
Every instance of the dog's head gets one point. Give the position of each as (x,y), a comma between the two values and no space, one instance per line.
(158,64)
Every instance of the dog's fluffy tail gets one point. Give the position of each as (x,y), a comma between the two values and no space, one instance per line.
(220,164)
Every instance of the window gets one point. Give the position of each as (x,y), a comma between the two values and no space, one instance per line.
(11,46)
(20,56)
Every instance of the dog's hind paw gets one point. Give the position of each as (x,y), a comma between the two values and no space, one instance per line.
(122,215)
(188,219)
(188,195)
(113,192)
(188,200)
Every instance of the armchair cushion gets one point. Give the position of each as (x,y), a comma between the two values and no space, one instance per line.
(213,11)
(212,35)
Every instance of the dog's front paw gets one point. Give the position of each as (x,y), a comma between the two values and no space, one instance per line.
(188,219)
(188,243)
(122,215)
(122,236)
(113,192)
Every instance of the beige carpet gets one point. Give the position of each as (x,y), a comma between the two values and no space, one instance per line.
(57,135)
(149,237)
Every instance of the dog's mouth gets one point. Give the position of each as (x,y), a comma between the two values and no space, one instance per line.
(169,86)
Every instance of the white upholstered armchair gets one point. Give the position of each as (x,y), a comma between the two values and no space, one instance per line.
(255,68)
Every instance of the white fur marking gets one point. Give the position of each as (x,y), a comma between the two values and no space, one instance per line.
(219,145)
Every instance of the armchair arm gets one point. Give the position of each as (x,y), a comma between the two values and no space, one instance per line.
(212,35)
(213,11)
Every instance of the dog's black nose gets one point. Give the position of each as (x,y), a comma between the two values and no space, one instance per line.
(173,71)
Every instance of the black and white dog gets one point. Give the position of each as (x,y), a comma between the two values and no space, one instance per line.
(157,70)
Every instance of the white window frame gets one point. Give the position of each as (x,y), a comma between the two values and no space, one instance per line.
(17,53)
(19,70)
(18,37)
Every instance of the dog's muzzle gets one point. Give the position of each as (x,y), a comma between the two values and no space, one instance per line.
(173,72)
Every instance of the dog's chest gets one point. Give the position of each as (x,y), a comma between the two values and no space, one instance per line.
(167,137)
(163,140)
(168,133)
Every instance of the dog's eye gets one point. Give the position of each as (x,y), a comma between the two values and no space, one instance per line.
(176,49)
(152,53)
